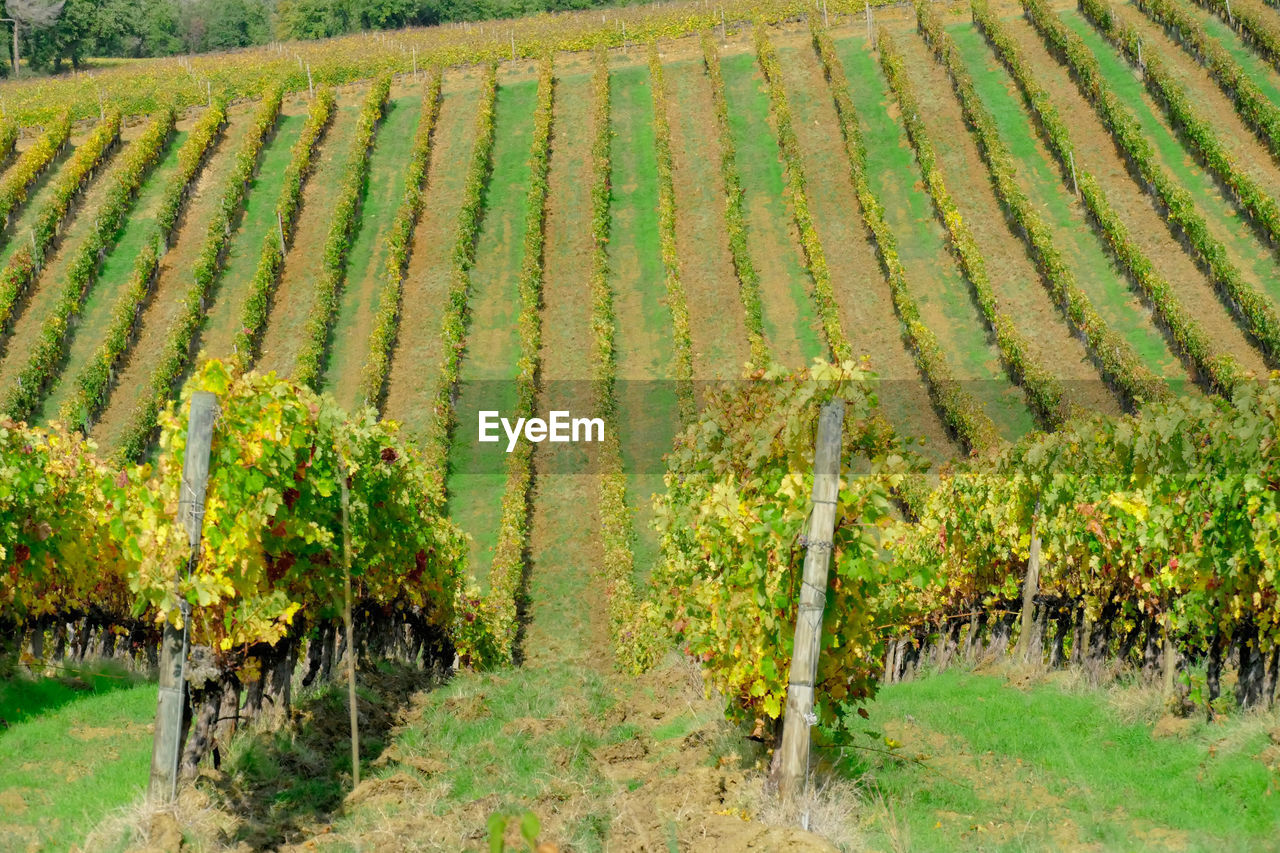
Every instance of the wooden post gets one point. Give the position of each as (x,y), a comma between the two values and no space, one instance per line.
(415,62)
(346,616)
(1230,21)
(1071,161)
(513,45)
(724,28)
(208,84)
(867,7)
(1030,588)
(793,753)
(310,86)
(826,24)
(167,744)
(1140,65)
(280,231)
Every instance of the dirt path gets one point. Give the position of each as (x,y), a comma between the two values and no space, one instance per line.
(172,281)
(790,320)
(366,262)
(416,360)
(1013,275)
(1096,151)
(244,249)
(717,319)
(116,271)
(292,303)
(35,306)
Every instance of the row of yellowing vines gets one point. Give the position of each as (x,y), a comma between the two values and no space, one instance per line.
(30,165)
(1118,362)
(309,366)
(677,301)
(266,276)
(45,358)
(1253,28)
(1253,106)
(959,410)
(1221,370)
(1043,390)
(735,223)
(93,384)
(1181,213)
(175,353)
(399,239)
(25,263)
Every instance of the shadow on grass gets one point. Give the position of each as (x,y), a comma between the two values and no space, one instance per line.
(23,696)
(281,783)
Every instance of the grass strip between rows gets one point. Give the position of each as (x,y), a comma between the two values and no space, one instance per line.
(735,222)
(25,263)
(257,303)
(1197,348)
(1180,211)
(1193,129)
(1251,104)
(506,572)
(93,384)
(309,367)
(453,325)
(45,358)
(1116,359)
(1043,390)
(175,354)
(677,301)
(29,166)
(815,258)
(399,240)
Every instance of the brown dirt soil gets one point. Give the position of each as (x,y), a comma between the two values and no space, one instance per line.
(172,282)
(34,307)
(862,294)
(1013,275)
(716,317)
(302,263)
(1098,153)
(416,360)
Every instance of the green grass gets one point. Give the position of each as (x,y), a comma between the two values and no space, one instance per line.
(73,750)
(138,230)
(39,194)
(895,179)
(245,247)
(1003,768)
(1224,221)
(760,169)
(367,257)
(477,473)
(648,414)
(1095,272)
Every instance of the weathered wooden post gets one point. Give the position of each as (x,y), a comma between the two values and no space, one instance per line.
(346,617)
(167,744)
(793,753)
(1030,588)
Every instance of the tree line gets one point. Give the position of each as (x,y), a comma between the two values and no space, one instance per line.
(56,34)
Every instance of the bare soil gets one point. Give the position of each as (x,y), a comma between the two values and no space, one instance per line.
(173,279)
(416,361)
(1097,152)
(717,319)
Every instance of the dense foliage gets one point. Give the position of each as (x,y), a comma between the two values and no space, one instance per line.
(733,522)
